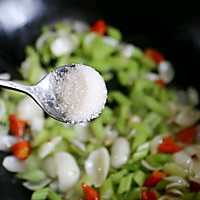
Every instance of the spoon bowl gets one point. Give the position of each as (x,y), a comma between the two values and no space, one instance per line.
(46,92)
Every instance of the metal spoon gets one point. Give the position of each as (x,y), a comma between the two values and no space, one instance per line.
(43,92)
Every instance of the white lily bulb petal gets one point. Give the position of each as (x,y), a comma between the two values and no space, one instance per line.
(120,151)
(50,167)
(27,109)
(49,146)
(2,109)
(67,171)
(97,165)
(6,141)
(64,45)
(13,164)
(82,131)
(166,71)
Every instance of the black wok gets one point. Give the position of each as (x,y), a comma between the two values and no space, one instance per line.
(162,25)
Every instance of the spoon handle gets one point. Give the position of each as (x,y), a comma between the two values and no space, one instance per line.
(15,86)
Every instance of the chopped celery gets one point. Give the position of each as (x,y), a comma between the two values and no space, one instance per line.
(106,190)
(155,106)
(139,177)
(125,184)
(34,175)
(114,33)
(138,155)
(106,49)
(119,97)
(53,196)
(158,159)
(107,115)
(123,115)
(174,169)
(40,194)
(98,128)
(134,194)
(116,177)
(152,119)
(41,137)
(87,179)
(143,131)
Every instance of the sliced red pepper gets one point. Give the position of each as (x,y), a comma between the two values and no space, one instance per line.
(154,55)
(21,149)
(194,187)
(168,145)
(154,178)
(160,82)
(16,125)
(188,135)
(148,195)
(90,193)
(99,27)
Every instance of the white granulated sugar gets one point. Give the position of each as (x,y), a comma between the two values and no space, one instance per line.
(81,93)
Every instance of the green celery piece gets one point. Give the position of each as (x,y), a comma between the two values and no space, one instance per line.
(63,27)
(119,97)
(139,177)
(133,167)
(100,50)
(40,194)
(67,133)
(98,128)
(15,95)
(107,76)
(118,62)
(62,60)
(138,155)
(174,169)
(143,86)
(45,53)
(35,69)
(107,115)
(146,62)
(125,184)
(77,59)
(45,28)
(161,184)
(134,194)
(114,33)
(198,195)
(41,137)
(155,105)
(106,190)
(87,42)
(127,76)
(34,175)
(33,162)
(158,159)
(53,196)
(35,66)
(143,131)
(152,119)
(87,179)
(62,146)
(123,114)
(190,196)
(100,65)
(50,122)
(116,177)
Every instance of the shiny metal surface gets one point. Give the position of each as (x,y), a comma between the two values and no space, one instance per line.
(43,92)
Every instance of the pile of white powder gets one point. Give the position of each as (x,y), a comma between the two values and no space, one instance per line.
(80,92)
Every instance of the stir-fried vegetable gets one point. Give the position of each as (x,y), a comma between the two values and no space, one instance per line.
(144,145)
